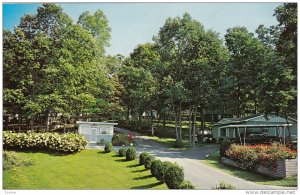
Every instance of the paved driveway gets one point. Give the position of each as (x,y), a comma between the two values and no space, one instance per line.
(201,175)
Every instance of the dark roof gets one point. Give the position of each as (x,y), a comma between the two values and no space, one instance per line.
(225,121)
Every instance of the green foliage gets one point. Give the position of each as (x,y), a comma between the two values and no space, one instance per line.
(120,140)
(143,156)
(155,166)
(122,152)
(12,160)
(178,144)
(224,186)
(137,125)
(224,146)
(65,143)
(161,170)
(187,185)
(108,147)
(174,176)
(130,154)
(148,162)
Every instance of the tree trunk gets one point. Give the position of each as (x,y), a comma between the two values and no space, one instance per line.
(288,127)
(202,124)
(194,129)
(180,122)
(65,125)
(190,124)
(164,121)
(31,124)
(47,121)
(176,126)
(6,122)
(20,121)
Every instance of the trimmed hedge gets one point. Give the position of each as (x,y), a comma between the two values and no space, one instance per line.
(108,147)
(122,152)
(161,170)
(64,143)
(143,156)
(174,176)
(130,154)
(155,166)
(148,161)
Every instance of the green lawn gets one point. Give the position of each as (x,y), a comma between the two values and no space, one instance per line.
(88,169)
(213,160)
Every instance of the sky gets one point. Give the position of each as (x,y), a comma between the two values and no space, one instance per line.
(137,23)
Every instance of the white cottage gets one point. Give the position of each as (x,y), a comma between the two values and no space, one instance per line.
(96,132)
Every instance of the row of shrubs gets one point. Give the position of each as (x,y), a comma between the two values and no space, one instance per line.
(130,152)
(170,173)
(63,143)
(249,157)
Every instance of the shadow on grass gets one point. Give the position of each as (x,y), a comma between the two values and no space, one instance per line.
(143,177)
(147,186)
(138,171)
(132,166)
(121,160)
(30,150)
(116,155)
(102,152)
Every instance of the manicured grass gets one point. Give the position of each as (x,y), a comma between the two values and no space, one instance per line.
(89,169)
(213,160)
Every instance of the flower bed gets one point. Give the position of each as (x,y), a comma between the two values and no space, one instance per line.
(65,143)
(275,160)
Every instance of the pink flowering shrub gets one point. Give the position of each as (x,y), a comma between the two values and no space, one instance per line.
(249,157)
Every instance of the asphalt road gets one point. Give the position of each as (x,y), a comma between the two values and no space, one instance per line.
(201,175)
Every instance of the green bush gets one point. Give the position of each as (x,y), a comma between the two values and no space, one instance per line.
(161,170)
(108,147)
(186,185)
(64,143)
(148,161)
(155,166)
(130,154)
(143,156)
(12,160)
(174,176)
(224,186)
(224,146)
(120,140)
(178,144)
(122,152)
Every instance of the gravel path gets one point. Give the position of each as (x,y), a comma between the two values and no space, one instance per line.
(201,175)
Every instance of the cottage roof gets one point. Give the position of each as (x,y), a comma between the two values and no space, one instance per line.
(226,121)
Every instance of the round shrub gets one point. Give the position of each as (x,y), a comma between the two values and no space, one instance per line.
(130,154)
(156,164)
(174,176)
(143,156)
(148,161)
(161,170)
(186,185)
(122,152)
(108,147)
